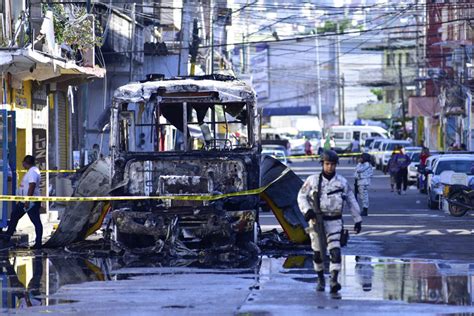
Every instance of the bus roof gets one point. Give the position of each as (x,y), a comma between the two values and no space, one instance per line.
(228,89)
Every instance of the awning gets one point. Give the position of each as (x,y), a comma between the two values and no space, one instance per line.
(28,64)
(423,106)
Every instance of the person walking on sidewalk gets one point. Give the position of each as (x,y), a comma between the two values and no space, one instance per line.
(322,197)
(363,174)
(402,161)
(29,186)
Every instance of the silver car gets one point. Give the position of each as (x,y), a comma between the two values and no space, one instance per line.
(457,163)
(413,167)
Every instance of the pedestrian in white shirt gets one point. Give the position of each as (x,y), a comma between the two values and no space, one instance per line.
(29,186)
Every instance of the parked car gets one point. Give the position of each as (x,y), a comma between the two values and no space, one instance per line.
(377,152)
(375,145)
(412,149)
(344,135)
(368,142)
(276,151)
(386,151)
(277,154)
(272,136)
(413,167)
(458,163)
(429,166)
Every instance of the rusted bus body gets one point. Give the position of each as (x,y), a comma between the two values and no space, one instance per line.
(185,136)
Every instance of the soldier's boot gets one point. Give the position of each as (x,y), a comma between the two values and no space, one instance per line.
(334,285)
(321,282)
(365,212)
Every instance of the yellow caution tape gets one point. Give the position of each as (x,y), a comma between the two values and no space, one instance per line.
(340,155)
(317,156)
(203,197)
(52,171)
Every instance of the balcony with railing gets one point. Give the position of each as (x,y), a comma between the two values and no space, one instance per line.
(41,41)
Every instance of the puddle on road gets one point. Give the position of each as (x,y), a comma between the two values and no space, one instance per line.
(29,280)
(412,281)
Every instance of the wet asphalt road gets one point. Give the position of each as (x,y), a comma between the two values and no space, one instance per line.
(398,226)
(407,261)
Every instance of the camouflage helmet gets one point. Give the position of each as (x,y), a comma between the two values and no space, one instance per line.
(329,155)
(366,157)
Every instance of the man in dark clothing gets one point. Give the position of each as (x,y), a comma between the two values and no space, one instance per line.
(402,161)
(30,186)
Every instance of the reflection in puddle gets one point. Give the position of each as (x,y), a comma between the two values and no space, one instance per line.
(412,281)
(29,280)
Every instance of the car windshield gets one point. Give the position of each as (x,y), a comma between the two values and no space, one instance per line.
(462,166)
(309,134)
(280,155)
(391,146)
(377,144)
(269,148)
(368,142)
(415,157)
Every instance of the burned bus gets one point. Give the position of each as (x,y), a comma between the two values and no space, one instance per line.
(184,137)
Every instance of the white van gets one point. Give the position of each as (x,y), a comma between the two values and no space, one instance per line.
(343,135)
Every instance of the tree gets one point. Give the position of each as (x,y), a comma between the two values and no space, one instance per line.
(330,26)
(378,93)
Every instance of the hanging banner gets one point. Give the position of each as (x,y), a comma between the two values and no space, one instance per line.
(40,108)
(39,133)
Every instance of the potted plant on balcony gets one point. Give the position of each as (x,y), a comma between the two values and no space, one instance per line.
(78,30)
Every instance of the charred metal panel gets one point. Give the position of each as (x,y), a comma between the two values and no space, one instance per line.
(281,197)
(180,185)
(190,176)
(74,221)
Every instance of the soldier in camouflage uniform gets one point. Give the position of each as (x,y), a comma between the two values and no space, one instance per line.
(363,174)
(334,191)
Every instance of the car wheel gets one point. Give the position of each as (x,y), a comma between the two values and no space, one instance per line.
(458,210)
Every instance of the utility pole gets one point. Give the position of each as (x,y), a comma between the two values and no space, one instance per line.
(343,105)
(242,61)
(181,40)
(211,30)
(418,120)
(246,39)
(402,95)
(320,112)
(132,42)
(417,52)
(194,47)
(191,46)
(338,77)
(468,102)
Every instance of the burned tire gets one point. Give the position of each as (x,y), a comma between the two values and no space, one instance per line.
(457,210)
